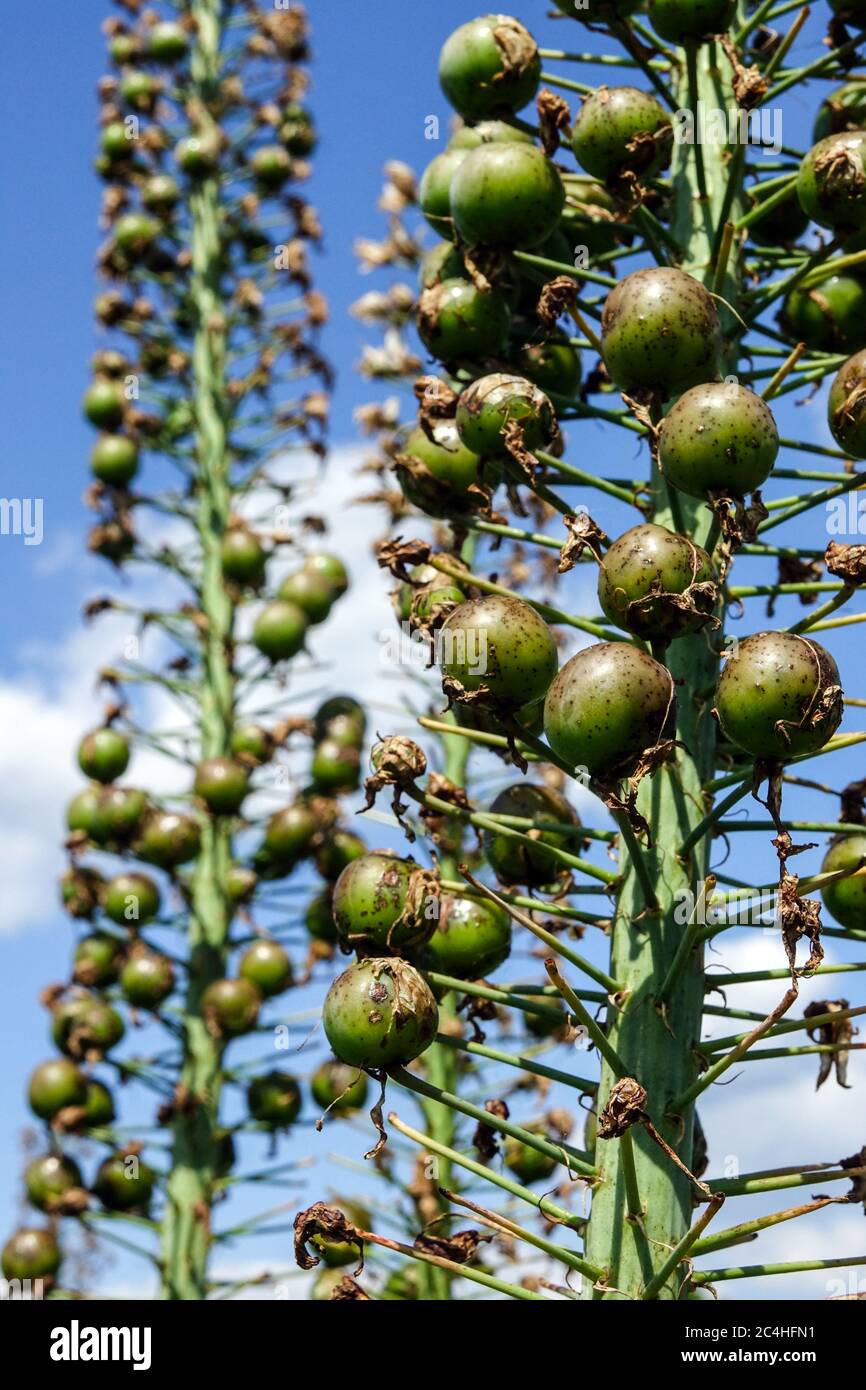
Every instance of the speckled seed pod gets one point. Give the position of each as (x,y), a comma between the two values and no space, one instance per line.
(846,898)
(469,137)
(831,184)
(829,316)
(619,130)
(380,1013)
(515,861)
(470,941)
(608,704)
(436,474)
(500,644)
(680,20)
(457,322)
(372,908)
(642,580)
(489,66)
(490,404)
(660,332)
(718,438)
(846,406)
(507,195)
(779,695)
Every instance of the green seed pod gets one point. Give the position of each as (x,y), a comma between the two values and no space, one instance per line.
(54,1086)
(469,137)
(498,645)
(222,785)
(147,979)
(718,438)
(608,705)
(117,815)
(515,861)
(266,965)
(842,110)
(114,459)
(553,366)
(457,322)
(526,1163)
(168,839)
(845,899)
(442,262)
(681,21)
(341,717)
(116,146)
(471,939)
(243,558)
(274,1099)
(98,1106)
(50,1179)
(280,630)
(846,406)
(252,744)
(779,695)
(492,403)
(104,404)
(338,849)
(309,591)
(660,332)
(135,233)
(338,1088)
(334,767)
(782,225)
(622,130)
(124,1182)
(489,66)
(231,1007)
(381,901)
(831,184)
(103,755)
(434,190)
(160,193)
(829,316)
(167,42)
(97,960)
(507,195)
(131,900)
(85,1026)
(319,918)
(271,166)
(290,832)
(436,474)
(331,567)
(297,131)
(380,1013)
(241,884)
(198,155)
(656,583)
(81,891)
(31,1252)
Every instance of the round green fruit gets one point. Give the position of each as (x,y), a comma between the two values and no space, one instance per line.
(374,907)
(660,332)
(103,755)
(436,474)
(309,591)
(338,849)
(167,42)
(290,832)
(846,406)
(243,558)
(31,1252)
(124,1183)
(271,166)
(489,66)
(135,233)
(97,960)
(252,743)
(434,190)
(515,861)
(779,695)
(469,137)
(845,899)
(831,184)
(280,630)
(241,883)
(319,918)
(267,966)
(54,1086)
(338,1088)
(380,1013)
(844,109)
(85,1025)
(50,1179)
(331,567)
(457,322)
(507,196)
(526,1163)
(114,460)
(608,704)
(492,403)
(553,366)
(643,577)
(115,144)
(499,645)
(343,718)
(829,316)
(297,132)
(782,225)
(334,767)
(622,130)
(168,839)
(104,404)
(131,899)
(231,1007)
(160,193)
(147,979)
(198,155)
(718,438)
(115,815)
(222,784)
(98,1106)
(470,941)
(274,1099)
(684,21)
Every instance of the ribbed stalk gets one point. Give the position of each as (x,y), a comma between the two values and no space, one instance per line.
(189,1192)
(657,1050)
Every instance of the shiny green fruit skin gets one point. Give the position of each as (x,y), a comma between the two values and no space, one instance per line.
(491,403)
(475,73)
(160,192)
(831,183)
(31,1252)
(506,195)
(131,900)
(845,899)
(135,232)
(86,1024)
(289,832)
(770,689)
(232,1006)
(605,138)
(457,322)
(471,939)
(104,404)
(338,849)
(846,406)
(338,1088)
(253,743)
(98,1106)
(147,979)
(103,755)
(115,814)
(274,1099)
(243,558)
(334,767)
(167,42)
(469,137)
(679,21)
(380,1014)
(448,469)
(280,630)
(608,704)
(97,961)
(343,718)
(124,1183)
(114,460)
(718,438)
(168,839)
(197,155)
(115,144)
(584,222)
(331,567)
(54,1086)
(502,644)
(267,966)
(368,900)
(660,331)
(553,366)
(48,1180)
(648,560)
(271,166)
(222,785)
(434,190)
(319,918)
(241,883)
(527,1164)
(515,861)
(310,592)
(829,316)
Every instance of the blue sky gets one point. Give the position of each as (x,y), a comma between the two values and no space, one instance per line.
(374,87)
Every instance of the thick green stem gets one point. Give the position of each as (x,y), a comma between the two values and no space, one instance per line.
(189,1194)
